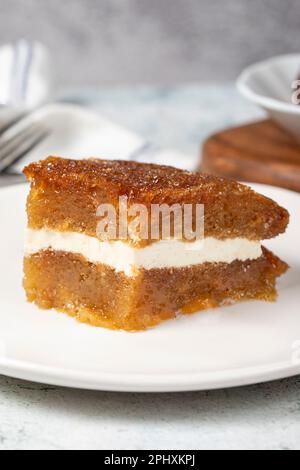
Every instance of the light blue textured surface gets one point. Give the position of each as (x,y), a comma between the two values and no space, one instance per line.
(257,417)
(179,117)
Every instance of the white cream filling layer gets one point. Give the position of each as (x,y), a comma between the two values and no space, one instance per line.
(163,254)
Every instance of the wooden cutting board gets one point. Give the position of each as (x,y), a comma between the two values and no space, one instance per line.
(260,152)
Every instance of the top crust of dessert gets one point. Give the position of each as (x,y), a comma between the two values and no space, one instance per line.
(138,180)
(148,183)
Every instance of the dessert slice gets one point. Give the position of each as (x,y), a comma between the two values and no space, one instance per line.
(134,279)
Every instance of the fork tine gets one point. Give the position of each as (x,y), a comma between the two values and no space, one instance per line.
(13,121)
(14,131)
(8,144)
(20,145)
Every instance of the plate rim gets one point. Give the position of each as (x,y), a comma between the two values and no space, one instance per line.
(148,383)
(201,381)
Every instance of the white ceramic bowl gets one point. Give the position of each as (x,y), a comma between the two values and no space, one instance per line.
(269,84)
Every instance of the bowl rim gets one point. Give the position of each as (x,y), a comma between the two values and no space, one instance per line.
(262,100)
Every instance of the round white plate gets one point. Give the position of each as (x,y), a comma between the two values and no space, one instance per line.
(246,343)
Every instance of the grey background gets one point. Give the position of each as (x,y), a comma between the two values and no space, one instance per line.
(120,42)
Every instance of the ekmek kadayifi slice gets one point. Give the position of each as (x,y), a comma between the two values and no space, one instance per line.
(134,284)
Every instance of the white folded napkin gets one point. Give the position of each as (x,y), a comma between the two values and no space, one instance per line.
(73,131)
(77,132)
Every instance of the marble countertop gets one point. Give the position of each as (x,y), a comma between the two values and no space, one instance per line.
(266,416)
(177,117)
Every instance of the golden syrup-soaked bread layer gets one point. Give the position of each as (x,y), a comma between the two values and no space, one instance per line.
(98,295)
(65,195)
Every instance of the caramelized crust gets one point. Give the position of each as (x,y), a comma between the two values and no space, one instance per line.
(65,195)
(98,295)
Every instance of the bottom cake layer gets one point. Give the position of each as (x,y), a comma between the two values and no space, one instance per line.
(98,295)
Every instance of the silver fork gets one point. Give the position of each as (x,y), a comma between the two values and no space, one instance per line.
(17,140)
